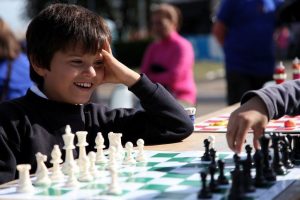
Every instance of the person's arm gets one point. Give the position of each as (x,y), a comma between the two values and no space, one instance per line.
(258,107)
(219,31)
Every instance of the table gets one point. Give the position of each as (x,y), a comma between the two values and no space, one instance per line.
(195,142)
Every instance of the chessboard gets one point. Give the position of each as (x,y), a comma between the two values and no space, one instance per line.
(219,125)
(165,175)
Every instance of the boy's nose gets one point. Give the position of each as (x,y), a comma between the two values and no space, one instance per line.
(90,71)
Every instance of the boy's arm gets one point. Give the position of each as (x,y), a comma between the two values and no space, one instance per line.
(260,106)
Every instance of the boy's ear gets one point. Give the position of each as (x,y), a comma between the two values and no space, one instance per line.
(38,69)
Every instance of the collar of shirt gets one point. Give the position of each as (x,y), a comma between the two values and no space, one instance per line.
(37,91)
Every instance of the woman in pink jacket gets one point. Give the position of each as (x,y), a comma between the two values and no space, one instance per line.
(169,60)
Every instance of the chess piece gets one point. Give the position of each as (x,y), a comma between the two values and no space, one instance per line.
(141,154)
(248,182)
(212,153)
(213,185)
(93,170)
(57,174)
(296,149)
(206,155)
(129,160)
(268,171)
(277,163)
(112,157)
(100,157)
(286,153)
(259,180)
(42,177)
(222,180)
(72,180)
(24,183)
(212,140)
(68,138)
(237,190)
(204,193)
(296,69)
(114,187)
(279,75)
(248,149)
(85,175)
(81,137)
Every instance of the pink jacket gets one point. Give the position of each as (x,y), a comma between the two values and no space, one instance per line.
(173,60)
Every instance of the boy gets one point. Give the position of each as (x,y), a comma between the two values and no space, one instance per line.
(69,52)
(258,107)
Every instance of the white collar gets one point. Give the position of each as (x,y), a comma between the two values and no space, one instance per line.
(37,91)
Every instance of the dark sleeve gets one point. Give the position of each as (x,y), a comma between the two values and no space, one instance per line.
(7,158)
(282,99)
(162,119)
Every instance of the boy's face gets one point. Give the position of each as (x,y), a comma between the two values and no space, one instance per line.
(73,76)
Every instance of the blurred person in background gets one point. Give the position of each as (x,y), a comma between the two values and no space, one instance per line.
(245,31)
(14,65)
(169,60)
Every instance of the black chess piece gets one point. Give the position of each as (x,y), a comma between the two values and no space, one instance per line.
(248,182)
(222,180)
(204,193)
(277,163)
(237,191)
(259,179)
(212,153)
(248,149)
(296,150)
(213,185)
(268,171)
(286,153)
(206,156)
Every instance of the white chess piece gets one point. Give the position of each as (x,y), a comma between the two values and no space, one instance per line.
(85,175)
(114,187)
(115,141)
(141,154)
(100,157)
(112,157)
(24,184)
(212,140)
(72,180)
(68,138)
(57,174)
(129,160)
(81,136)
(42,177)
(93,170)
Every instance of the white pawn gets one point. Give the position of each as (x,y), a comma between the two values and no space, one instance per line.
(119,147)
(57,174)
(141,154)
(85,175)
(24,184)
(129,160)
(42,177)
(93,170)
(100,157)
(72,180)
(114,187)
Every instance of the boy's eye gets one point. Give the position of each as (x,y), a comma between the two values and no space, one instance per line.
(77,62)
(98,63)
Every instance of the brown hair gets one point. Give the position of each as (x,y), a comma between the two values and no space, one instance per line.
(170,12)
(60,27)
(9,45)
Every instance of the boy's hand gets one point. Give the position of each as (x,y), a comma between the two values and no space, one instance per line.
(253,114)
(115,71)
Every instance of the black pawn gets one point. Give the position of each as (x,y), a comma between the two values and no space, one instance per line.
(248,182)
(213,185)
(277,164)
(259,179)
(222,180)
(204,193)
(206,155)
(212,153)
(248,149)
(237,191)
(268,171)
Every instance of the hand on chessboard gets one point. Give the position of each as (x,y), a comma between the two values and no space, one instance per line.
(251,115)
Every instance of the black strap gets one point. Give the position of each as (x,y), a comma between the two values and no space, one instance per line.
(6,82)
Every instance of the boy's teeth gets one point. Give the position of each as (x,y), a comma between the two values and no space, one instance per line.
(87,85)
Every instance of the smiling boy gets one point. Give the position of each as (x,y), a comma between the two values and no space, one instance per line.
(69,52)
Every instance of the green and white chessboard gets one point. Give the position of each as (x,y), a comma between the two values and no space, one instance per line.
(166,175)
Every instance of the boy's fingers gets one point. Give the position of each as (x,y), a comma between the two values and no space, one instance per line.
(256,136)
(231,135)
(106,46)
(240,138)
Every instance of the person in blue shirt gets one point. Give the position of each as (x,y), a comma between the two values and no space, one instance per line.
(14,65)
(245,31)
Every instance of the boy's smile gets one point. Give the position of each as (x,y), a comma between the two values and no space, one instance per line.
(73,76)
